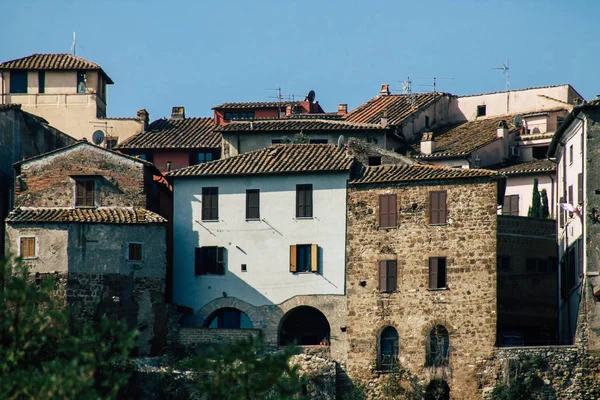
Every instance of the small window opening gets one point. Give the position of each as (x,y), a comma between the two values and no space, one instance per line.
(481,111)
(375,160)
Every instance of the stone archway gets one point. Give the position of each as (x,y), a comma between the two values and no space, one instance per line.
(201,319)
(304,326)
(228,318)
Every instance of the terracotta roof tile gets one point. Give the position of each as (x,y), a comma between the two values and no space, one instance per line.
(276,159)
(188,133)
(53,62)
(464,137)
(397,106)
(529,167)
(256,104)
(418,172)
(296,125)
(99,215)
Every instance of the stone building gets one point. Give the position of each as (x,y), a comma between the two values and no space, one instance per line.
(88,216)
(421,275)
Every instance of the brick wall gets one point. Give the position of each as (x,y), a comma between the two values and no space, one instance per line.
(467,308)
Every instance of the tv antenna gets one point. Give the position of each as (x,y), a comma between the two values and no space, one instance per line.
(506,69)
(433,85)
(407,89)
(75,43)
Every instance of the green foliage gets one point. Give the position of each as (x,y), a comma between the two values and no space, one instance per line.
(47,354)
(401,384)
(286,140)
(536,203)
(300,138)
(521,380)
(245,370)
(545,209)
(358,392)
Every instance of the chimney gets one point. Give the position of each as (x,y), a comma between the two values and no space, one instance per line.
(342,109)
(143,116)
(427,143)
(384,119)
(502,130)
(169,163)
(385,90)
(288,110)
(178,113)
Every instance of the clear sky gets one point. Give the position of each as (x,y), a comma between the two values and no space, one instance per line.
(198,54)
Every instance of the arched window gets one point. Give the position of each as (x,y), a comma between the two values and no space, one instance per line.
(388,349)
(304,326)
(438,346)
(228,318)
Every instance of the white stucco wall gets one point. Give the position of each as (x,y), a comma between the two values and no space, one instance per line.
(264,246)
(522,185)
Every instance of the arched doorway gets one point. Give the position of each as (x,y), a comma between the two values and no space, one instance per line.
(437,389)
(438,347)
(228,318)
(304,326)
(388,349)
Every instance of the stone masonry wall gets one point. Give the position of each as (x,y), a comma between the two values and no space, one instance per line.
(467,307)
(201,336)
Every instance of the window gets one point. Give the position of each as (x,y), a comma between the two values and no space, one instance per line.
(539,152)
(503,263)
(210,204)
(209,260)
(437,273)
(375,160)
(481,111)
(570,198)
(426,122)
(304,201)
(388,276)
(571,154)
(18,81)
(304,258)
(559,121)
(200,158)
(318,141)
(437,208)
(252,204)
(27,247)
(388,349)
(438,347)
(536,265)
(511,205)
(84,193)
(580,188)
(387,211)
(229,318)
(81,82)
(41,81)
(111,142)
(135,252)
(276,141)
(237,115)
(561,212)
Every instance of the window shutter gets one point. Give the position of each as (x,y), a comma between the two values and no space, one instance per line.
(220,268)
(299,201)
(561,212)
(514,205)
(392,275)
(293,258)
(442,207)
(79,193)
(314,258)
(433,273)
(214,203)
(392,213)
(89,193)
(198,261)
(383,211)
(580,189)
(506,205)
(433,208)
(308,201)
(383,276)
(252,204)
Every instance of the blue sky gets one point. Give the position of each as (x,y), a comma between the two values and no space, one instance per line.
(199,54)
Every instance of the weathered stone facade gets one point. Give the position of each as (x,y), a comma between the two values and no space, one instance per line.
(467,305)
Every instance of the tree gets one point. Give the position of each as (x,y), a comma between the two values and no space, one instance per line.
(45,353)
(300,138)
(245,371)
(534,210)
(544,210)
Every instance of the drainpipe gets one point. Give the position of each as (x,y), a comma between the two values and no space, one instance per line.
(2,77)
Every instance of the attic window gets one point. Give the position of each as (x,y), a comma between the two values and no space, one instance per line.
(81,82)
(375,160)
(481,111)
(426,122)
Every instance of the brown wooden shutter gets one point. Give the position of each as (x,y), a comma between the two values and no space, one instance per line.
(28,247)
(198,261)
(388,217)
(506,206)
(434,208)
(383,211)
(433,273)
(392,210)
(580,189)
(89,193)
(79,193)
(293,258)
(442,207)
(392,275)
(514,205)
(314,258)
(382,276)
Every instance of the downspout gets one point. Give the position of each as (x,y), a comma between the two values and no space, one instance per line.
(2,77)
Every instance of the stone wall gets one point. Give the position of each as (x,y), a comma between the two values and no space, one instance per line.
(466,307)
(201,336)
(527,300)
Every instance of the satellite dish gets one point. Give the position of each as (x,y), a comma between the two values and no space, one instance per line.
(341,141)
(310,96)
(518,121)
(98,137)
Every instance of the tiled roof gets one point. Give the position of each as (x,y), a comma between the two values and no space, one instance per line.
(529,167)
(256,104)
(331,115)
(417,172)
(296,125)
(397,106)
(185,133)
(53,62)
(464,137)
(276,159)
(99,215)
